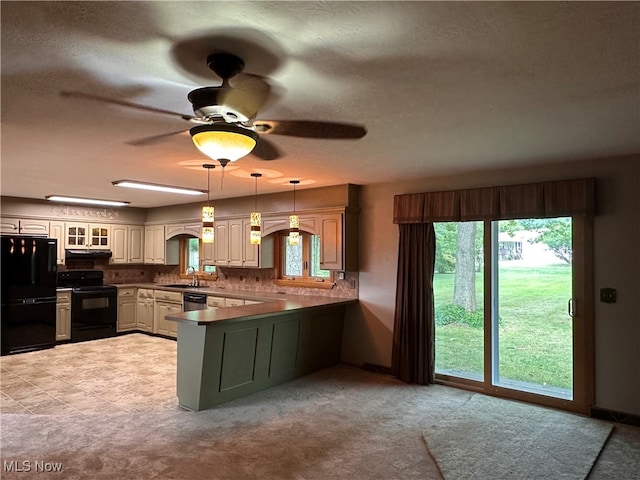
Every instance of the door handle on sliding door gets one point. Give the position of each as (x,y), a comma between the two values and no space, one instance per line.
(571,307)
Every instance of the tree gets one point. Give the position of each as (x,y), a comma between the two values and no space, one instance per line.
(464,289)
(556,234)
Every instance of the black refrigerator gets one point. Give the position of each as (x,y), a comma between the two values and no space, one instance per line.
(28,293)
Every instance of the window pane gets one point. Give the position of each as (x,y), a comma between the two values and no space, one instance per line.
(292,259)
(193,253)
(458,288)
(533,350)
(316,271)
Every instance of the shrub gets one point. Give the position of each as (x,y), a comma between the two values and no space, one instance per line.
(450,313)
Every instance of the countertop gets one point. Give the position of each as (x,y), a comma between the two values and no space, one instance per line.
(273,306)
(272,303)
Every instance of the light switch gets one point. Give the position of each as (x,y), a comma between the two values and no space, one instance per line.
(608,295)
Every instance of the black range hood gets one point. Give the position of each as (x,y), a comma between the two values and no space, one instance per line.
(76,254)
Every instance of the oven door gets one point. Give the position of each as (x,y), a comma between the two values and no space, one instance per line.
(94,313)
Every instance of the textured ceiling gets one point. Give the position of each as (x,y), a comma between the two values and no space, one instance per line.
(441,87)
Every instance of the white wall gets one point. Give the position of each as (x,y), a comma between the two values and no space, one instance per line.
(369,328)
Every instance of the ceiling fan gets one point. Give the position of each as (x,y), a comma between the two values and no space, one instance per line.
(234,106)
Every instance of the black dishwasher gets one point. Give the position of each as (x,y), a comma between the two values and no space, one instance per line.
(194,301)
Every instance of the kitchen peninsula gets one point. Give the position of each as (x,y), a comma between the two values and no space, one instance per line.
(228,353)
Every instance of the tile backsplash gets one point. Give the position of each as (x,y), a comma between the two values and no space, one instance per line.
(250,279)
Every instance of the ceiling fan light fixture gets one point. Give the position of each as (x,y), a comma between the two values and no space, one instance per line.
(223,141)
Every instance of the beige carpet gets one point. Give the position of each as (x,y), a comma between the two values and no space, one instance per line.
(504,440)
(107,410)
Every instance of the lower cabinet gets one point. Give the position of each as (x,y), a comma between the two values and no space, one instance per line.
(127,306)
(166,303)
(144,310)
(238,358)
(63,316)
(213,301)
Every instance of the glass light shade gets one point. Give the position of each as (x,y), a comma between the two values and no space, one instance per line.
(294,234)
(208,233)
(208,214)
(223,141)
(294,238)
(256,235)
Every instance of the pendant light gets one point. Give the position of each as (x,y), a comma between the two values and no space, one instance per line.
(294,221)
(256,218)
(208,212)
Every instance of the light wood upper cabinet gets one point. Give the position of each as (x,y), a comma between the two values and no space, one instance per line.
(233,245)
(221,242)
(119,240)
(154,244)
(87,236)
(339,239)
(56,230)
(20,226)
(136,243)
(236,243)
(331,250)
(127,243)
(193,229)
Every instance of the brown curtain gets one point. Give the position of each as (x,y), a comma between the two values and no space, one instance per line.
(414,324)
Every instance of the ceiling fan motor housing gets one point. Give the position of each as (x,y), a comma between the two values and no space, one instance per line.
(210,103)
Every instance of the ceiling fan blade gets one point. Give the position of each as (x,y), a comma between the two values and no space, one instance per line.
(153,138)
(98,98)
(265,150)
(310,129)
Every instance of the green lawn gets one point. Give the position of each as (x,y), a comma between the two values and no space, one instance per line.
(535,330)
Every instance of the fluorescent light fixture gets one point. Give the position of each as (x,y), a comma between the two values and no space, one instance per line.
(88,201)
(158,187)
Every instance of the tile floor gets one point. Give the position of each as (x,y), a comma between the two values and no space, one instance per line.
(129,373)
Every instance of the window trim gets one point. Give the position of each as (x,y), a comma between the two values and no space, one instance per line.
(306,280)
(182,261)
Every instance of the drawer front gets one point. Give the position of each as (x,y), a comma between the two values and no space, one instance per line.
(215,301)
(145,293)
(127,292)
(173,297)
(234,302)
(63,297)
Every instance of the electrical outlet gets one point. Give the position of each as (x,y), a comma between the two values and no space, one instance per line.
(608,295)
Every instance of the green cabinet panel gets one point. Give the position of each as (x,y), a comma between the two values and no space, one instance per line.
(239,358)
(284,347)
(223,361)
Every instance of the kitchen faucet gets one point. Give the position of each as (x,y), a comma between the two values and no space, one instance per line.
(194,280)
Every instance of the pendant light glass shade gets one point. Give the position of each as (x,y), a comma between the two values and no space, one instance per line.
(256,234)
(294,230)
(223,141)
(208,212)
(256,218)
(294,220)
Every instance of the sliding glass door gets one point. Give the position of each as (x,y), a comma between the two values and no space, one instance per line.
(532,330)
(505,307)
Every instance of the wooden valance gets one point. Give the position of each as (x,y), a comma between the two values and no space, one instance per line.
(534,200)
